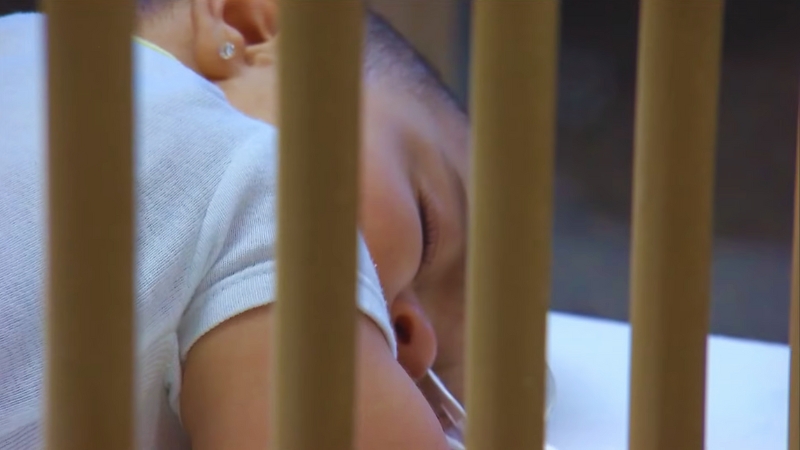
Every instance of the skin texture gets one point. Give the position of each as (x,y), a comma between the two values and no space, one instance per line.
(414,159)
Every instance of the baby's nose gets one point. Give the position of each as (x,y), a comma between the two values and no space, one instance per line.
(416,339)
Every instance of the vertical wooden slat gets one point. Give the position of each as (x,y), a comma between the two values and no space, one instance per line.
(319,76)
(90,309)
(676,119)
(794,316)
(513,107)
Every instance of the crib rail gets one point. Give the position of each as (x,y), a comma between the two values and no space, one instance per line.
(675,138)
(90,366)
(513,105)
(794,317)
(320,68)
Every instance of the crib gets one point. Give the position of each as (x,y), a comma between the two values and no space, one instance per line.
(513,98)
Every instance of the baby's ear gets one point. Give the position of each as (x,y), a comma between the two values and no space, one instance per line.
(416,338)
(255,20)
(263,54)
(225,31)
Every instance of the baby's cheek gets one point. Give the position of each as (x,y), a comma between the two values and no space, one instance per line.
(390,222)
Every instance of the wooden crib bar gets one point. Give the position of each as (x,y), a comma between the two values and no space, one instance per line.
(320,72)
(674,146)
(794,316)
(90,337)
(90,368)
(513,104)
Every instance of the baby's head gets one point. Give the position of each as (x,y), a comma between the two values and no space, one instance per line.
(414,202)
(414,160)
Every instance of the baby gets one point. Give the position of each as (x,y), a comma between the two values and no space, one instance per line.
(206,181)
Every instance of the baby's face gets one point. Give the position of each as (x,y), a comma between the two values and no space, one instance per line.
(413,216)
(413,212)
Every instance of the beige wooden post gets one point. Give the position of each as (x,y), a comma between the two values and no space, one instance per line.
(794,317)
(513,103)
(675,136)
(90,368)
(319,76)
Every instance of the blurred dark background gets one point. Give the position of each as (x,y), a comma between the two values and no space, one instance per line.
(755,159)
(755,163)
(755,152)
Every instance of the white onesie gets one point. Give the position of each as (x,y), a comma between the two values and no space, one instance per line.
(206,192)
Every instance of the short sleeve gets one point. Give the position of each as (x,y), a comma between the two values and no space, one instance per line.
(238,238)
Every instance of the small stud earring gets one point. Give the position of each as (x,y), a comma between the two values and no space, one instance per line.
(227,51)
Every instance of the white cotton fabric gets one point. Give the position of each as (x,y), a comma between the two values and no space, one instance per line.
(205,246)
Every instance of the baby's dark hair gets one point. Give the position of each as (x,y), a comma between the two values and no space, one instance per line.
(387,53)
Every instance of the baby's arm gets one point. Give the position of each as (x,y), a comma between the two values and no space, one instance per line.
(225,334)
(225,396)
